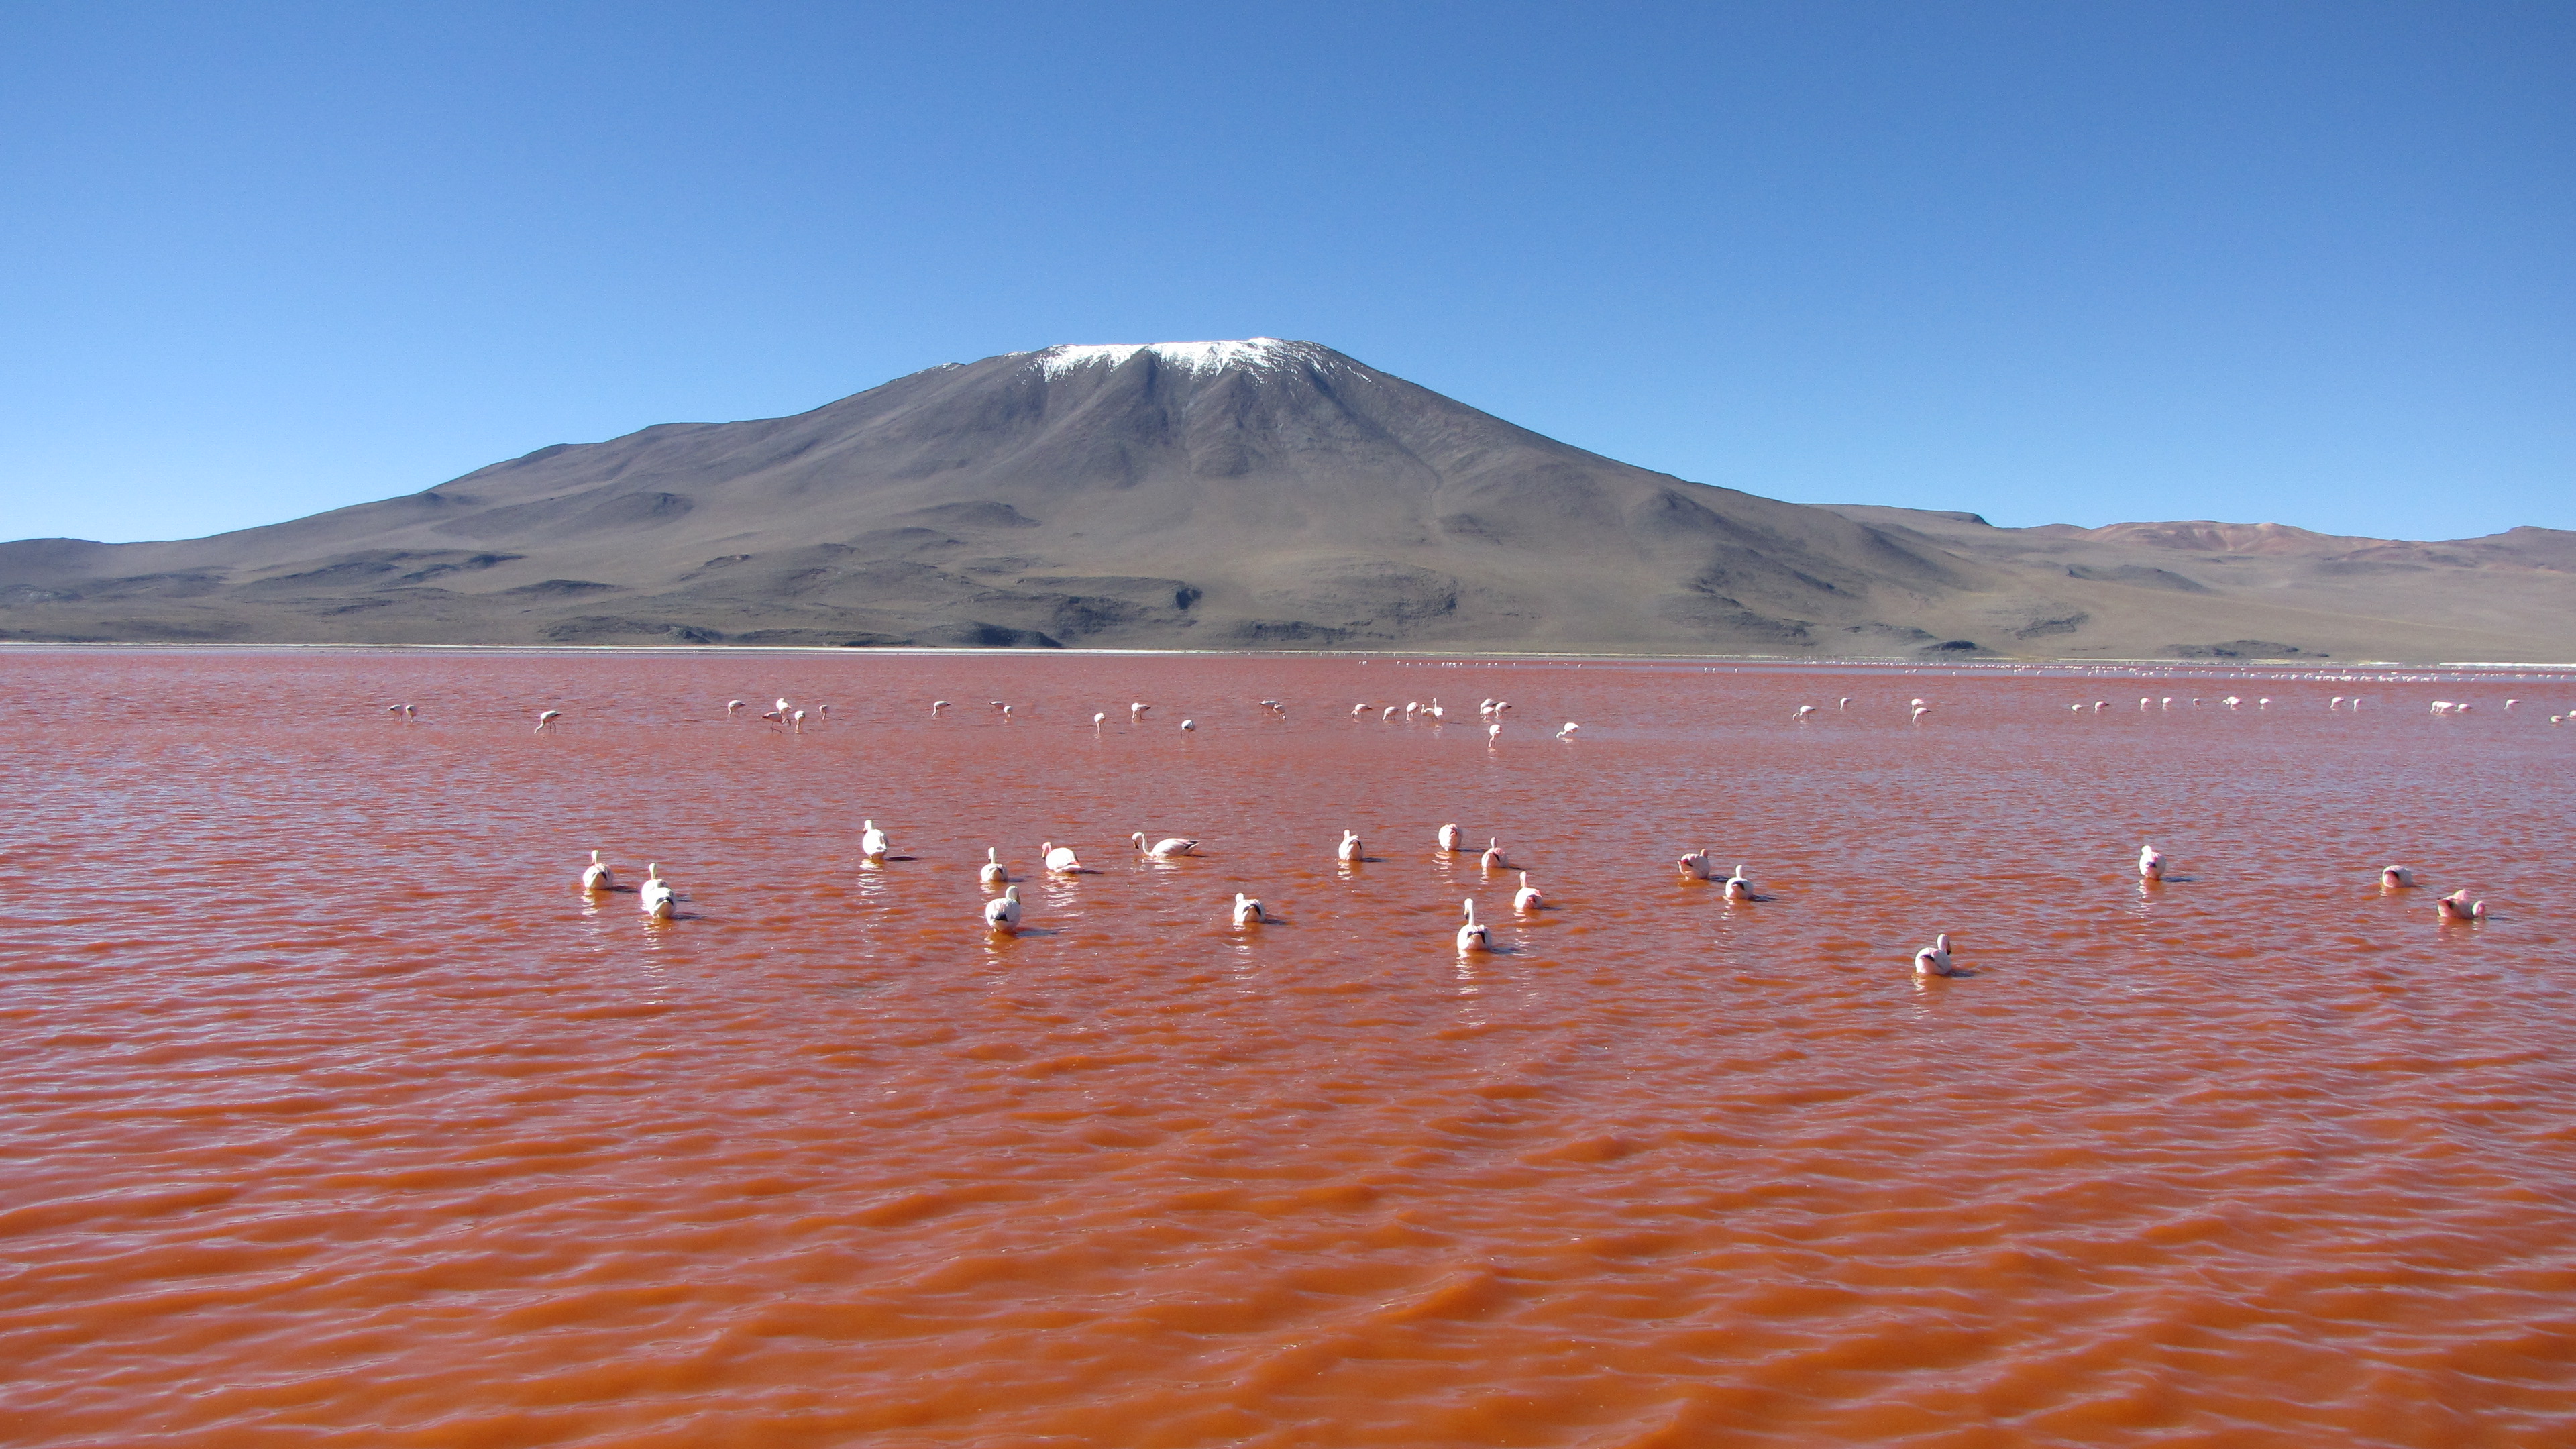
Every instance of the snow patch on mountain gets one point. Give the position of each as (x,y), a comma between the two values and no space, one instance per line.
(1256,353)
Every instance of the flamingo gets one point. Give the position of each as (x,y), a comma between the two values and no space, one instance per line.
(1493,733)
(1567,733)
(993,874)
(782,704)
(1805,713)
(1450,840)
(1388,717)
(732,707)
(1739,886)
(2396,878)
(796,721)
(1695,866)
(1526,899)
(655,897)
(1916,717)
(1097,720)
(1349,850)
(1002,912)
(2230,701)
(1410,707)
(546,720)
(1136,712)
(1843,703)
(1188,725)
(1009,713)
(2100,705)
(2151,863)
(1492,859)
(872,841)
(1934,960)
(1499,706)
(1471,936)
(938,705)
(402,711)
(2458,907)
(597,876)
(1435,711)
(2335,703)
(1247,911)
(1166,848)
(1359,709)
(1060,858)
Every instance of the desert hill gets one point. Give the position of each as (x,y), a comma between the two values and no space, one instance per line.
(1248,495)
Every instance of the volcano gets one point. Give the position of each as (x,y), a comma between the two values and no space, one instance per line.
(1232,495)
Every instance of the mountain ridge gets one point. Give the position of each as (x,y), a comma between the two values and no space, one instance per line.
(1247,494)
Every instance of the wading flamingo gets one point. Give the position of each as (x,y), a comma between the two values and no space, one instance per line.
(1471,936)
(546,720)
(1526,899)
(655,897)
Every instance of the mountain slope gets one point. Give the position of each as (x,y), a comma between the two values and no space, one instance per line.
(1196,495)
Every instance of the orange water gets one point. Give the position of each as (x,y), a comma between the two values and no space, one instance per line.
(334,1115)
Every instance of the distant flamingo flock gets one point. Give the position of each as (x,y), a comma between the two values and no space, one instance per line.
(1002,914)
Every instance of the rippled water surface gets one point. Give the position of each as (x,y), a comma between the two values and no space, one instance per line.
(336,1115)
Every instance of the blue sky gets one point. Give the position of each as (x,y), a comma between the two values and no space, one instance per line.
(2058,262)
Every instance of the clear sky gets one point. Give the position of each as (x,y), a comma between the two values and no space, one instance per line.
(2075,261)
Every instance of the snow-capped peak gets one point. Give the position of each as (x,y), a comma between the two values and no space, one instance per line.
(1253,352)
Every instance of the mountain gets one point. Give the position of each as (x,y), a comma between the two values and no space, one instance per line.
(1256,494)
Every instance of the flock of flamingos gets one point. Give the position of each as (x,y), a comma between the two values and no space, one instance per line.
(1001,912)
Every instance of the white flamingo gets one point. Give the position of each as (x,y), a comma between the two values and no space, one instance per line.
(597,876)
(546,720)
(1492,859)
(1916,717)
(1188,725)
(1359,709)
(1060,858)
(1002,912)
(1388,717)
(1136,712)
(1805,713)
(1934,960)
(872,841)
(938,705)
(2458,907)
(993,874)
(655,897)
(1349,850)
(2396,878)
(1526,899)
(1843,704)
(1471,936)
(1567,733)
(1739,886)
(1097,720)
(1493,734)
(1695,866)
(2151,863)
(732,707)
(1247,911)
(1450,840)
(1167,847)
